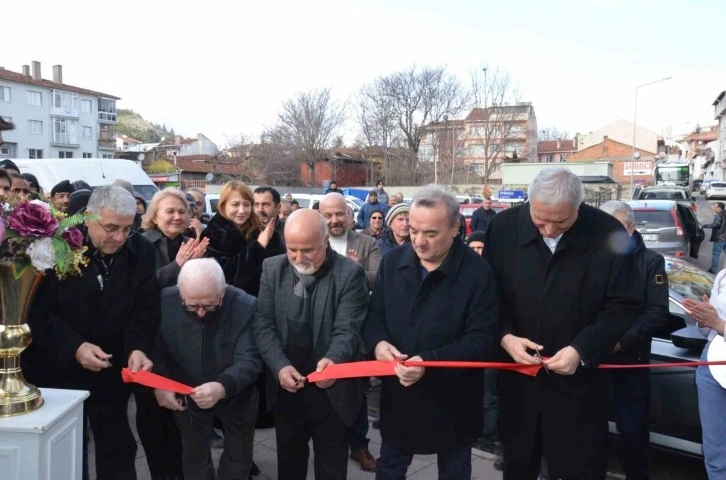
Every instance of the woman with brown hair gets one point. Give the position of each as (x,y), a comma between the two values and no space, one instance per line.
(238,240)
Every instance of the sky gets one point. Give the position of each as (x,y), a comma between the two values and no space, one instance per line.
(223,68)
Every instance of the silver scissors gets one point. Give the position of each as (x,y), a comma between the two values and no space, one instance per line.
(541,361)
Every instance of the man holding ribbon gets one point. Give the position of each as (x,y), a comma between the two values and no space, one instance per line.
(569,292)
(310,310)
(434,299)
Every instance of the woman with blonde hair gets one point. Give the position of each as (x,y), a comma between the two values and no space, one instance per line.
(164,222)
(238,240)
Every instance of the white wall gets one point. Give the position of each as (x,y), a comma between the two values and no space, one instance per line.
(621,131)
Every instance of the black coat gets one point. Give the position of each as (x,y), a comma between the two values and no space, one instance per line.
(240,258)
(167,269)
(718,226)
(585,295)
(635,344)
(481,219)
(119,317)
(450,315)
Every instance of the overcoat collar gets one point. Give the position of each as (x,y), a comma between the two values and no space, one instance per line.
(576,236)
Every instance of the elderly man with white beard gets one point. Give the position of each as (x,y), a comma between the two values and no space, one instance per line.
(310,311)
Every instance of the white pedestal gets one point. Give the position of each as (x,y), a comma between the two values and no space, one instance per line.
(47,443)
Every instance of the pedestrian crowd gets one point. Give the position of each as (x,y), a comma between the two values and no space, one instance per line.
(243,306)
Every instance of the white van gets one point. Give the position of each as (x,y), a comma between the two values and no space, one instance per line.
(94,171)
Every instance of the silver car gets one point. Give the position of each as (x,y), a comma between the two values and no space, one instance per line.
(668,227)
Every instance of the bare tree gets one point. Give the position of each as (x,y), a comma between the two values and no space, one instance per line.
(307,125)
(497,132)
(552,133)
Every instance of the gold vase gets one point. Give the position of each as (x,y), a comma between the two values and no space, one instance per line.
(16,395)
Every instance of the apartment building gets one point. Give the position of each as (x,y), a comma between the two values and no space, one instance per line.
(719,107)
(55,120)
(483,140)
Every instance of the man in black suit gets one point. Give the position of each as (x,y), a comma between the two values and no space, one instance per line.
(310,310)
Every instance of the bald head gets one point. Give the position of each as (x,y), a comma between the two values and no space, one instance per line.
(334,209)
(306,239)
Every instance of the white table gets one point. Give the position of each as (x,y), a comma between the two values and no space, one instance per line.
(47,443)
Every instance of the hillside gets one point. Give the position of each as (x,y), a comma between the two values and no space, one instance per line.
(133,125)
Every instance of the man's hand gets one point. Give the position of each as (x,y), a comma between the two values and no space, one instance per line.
(517,347)
(386,351)
(266,233)
(290,379)
(92,358)
(410,375)
(169,400)
(353,255)
(197,226)
(564,362)
(208,394)
(139,361)
(324,362)
(617,348)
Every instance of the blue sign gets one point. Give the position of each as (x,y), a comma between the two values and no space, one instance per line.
(511,194)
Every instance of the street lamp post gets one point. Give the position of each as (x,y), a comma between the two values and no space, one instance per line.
(635,127)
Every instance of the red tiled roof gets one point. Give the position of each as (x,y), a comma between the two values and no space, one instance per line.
(550,146)
(20,78)
(205,164)
(477,115)
(704,136)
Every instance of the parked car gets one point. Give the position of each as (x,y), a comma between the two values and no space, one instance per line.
(668,227)
(673,417)
(467,209)
(716,190)
(308,200)
(704,186)
(680,194)
(696,185)
(469,199)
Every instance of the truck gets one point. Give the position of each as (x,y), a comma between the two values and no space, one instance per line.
(673,173)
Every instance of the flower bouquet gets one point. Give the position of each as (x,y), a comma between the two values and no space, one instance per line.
(34,237)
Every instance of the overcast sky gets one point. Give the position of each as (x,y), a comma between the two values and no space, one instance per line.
(222,68)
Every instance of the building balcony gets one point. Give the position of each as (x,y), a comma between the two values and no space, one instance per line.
(107,145)
(106,117)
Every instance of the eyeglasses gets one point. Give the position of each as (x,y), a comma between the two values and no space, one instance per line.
(206,308)
(114,230)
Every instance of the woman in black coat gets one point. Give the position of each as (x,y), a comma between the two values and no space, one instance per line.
(238,240)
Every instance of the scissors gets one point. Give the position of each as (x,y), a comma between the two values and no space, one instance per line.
(541,361)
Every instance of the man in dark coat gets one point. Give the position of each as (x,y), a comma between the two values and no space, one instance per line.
(434,299)
(482,216)
(86,327)
(630,388)
(569,291)
(718,234)
(310,310)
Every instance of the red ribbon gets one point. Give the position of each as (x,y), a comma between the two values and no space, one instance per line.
(153,380)
(381,368)
(377,368)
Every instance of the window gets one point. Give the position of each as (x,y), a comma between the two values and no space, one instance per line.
(35,98)
(68,101)
(8,149)
(86,106)
(35,127)
(548,159)
(5,94)
(65,131)
(88,133)
(494,149)
(425,152)
(477,130)
(107,109)
(105,155)
(65,154)
(87,155)
(35,153)
(563,157)
(477,150)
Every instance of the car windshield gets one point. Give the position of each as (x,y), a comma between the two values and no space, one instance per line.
(146,191)
(355,200)
(688,280)
(662,195)
(718,185)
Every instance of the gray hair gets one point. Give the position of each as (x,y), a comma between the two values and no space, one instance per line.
(202,272)
(555,185)
(125,184)
(432,195)
(114,198)
(617,206)
(198,190)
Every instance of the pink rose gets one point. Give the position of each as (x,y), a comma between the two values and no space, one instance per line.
(32,219)
(74,237)
(2,229)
